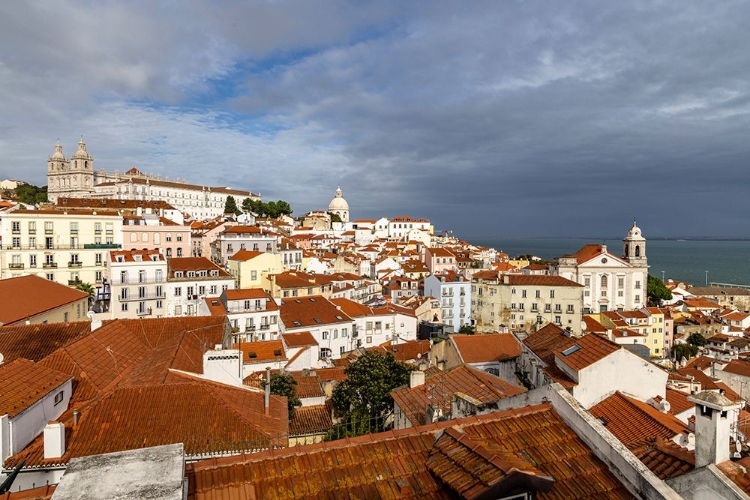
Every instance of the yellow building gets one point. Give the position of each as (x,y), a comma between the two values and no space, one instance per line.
(251,269)
(69,247)
(650,322)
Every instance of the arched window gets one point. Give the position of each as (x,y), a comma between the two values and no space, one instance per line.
(604,281)
(179,252)
(627,248)
(637,250)
(169,252)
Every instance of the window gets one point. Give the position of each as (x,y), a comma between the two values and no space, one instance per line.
(551,294)
(587,282)
(16,227)
(51,276)
(191,291)
(169,252)
(344,332)
(58,398)
(253,275)
(48,228)
(558,320)
(32,227)
(178,310)
(65,317)
(212,290)
(179,251)
(32,260)
(523,294)
(159,304)
(538,294)
(178,291)
(124,306)
(201,290)
(637,285)
(570,309)
(637,298)
(17,242)
(73,228)
(32,242)
(179,237)
(98,259)
(604,281)
(325,335)
(98,276)
(97,228)
(620,282)
(110,228)
(168,237)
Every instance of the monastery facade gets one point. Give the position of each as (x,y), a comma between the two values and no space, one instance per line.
(76,178)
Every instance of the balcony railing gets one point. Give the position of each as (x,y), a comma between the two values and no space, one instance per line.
(144,312)
(136,297)
(74,282)
(265,327)
(75,263)
(88,246)
(50,265)
(136,281)
(15,266)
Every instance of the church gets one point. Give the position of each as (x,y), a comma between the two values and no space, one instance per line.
(339,206)
(76,178)
(610,282)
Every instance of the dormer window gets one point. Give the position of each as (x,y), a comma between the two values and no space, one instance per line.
(178,274)
(214,273)
(191,274)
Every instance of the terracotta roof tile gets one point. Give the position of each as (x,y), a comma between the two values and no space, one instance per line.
(28,296)
(440,388)
(310,311)
(35,342)
(411,350)
(665,458)
(257,352)
(23,383)
(586,351)
(185,264)
(207,417)
(738,368)
(487,347)
(678,402)
(547,339)
(298,339)
(311,420)
(632,421)
(395,464)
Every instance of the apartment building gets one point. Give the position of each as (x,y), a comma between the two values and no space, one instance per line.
(519,301)
(192,279)
(66,247)
(138,284)
(454,293)
(252,313)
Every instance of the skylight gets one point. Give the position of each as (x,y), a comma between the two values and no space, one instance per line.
(571,350)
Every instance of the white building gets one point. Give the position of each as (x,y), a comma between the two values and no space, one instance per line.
(252,313)
(339,206)
(331,328)
(192,279)
(610,282)
(454,293)
(138,284)
(76,177)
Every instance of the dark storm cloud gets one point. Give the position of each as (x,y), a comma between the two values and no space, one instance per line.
(491,118)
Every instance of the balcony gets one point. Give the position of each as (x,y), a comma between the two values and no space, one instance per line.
(265,327)
(139,297)
(74,282)
(50,265)
(144,312)
(250,328)
(91,246)
(75,263)
(32,231)
(15,266)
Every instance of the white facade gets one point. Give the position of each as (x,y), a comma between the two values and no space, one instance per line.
(77,178)
(138,284)
(186,288)
(609,282)
(339,206)
(455,300)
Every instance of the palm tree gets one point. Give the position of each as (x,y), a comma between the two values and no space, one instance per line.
(87,288)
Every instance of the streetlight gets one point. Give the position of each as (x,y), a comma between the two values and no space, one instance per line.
(706,278)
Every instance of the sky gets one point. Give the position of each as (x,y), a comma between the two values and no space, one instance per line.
(491,119)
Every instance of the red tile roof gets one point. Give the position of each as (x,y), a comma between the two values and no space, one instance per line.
(23,383)
(245,255)
(185,264)
(28,296)
(440,388)
(738,367)
(258,352)
(310,311)
(591,348)
(678,402)
(207,417)
(486,348)
(299,339)
(588,252)
(395,464)
(35,342)
(632,421)
(412,350)
(665,458)
(311,420)
(544,341)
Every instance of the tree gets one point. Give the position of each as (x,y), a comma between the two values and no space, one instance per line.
(30,194)
(335,217)
(230,207)
(364,399)
(657,292)
(283,384)
(87,288)
(686,351)
(467,329)
(696,339)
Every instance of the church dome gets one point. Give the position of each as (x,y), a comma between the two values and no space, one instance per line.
(58,154)
(338,203)
(635,233)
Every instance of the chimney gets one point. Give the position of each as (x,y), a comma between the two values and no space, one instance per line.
(714,414)
(95,323)
(267,401)
(506,279)
(54,440)
(76,414)
(416,378)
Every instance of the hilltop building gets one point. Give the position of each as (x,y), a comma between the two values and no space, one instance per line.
(339,206)
(76,177)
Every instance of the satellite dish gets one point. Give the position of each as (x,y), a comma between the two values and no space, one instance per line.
(583,325)
(1,359)
(90,314)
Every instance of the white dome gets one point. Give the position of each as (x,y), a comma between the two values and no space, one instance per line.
(635,233)
(58,154)
(338,203)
